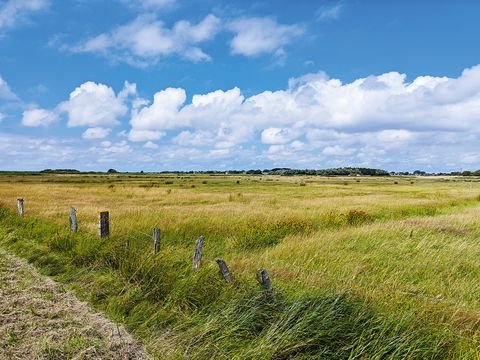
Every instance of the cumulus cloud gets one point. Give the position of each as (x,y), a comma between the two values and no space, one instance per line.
(96,133)
(316,121)
(279,135)
(5,92)
(146,39)
(256,36)
(38,117)
(214,117)
(13,12)
(94,105)
(320,119)
(162,114)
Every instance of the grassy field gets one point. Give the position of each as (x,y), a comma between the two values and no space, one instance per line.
(362,268)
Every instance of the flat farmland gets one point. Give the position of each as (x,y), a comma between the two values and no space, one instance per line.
(361,267)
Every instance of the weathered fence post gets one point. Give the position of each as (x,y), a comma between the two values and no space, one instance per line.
(264,279)
(20,206)
(104,226)
(156,240)
(224,270)
(197,255)
(73,219)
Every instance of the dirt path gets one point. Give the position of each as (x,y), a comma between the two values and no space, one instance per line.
(39,320)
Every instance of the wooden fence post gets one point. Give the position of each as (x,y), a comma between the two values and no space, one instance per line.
(156,240)
(104,226)
(197,255)
(224,270)
(73,219)
(264,279)
(20,206)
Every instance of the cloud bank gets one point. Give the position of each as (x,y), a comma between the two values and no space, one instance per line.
(316,121)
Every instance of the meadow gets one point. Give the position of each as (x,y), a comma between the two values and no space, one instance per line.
(362,267)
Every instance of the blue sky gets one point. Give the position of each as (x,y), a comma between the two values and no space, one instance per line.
(182,85)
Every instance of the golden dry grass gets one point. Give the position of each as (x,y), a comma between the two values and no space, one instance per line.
(410,247)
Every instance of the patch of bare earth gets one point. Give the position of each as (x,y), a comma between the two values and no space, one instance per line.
(39,320)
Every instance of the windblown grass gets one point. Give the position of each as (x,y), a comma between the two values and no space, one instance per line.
(362,267)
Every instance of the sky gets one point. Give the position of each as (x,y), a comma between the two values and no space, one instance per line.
(158,85)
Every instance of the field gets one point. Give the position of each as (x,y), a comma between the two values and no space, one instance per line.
(362,268)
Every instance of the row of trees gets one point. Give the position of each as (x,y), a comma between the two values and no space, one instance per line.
(347,171)
(344,171)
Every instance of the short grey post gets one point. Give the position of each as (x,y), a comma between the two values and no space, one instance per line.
(156,240)
(197,255)
(104,226)
(224,270)
(20,206)
(264,279)
(73,219)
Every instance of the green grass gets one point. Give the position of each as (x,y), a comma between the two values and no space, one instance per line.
(367,270)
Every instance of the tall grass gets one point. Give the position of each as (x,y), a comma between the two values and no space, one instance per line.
(357,277)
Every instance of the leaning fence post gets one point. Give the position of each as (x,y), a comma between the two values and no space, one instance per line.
(73,219)
(104,226)
(20,206)
(224,270)
(156,240)
(264,279)
(197,255)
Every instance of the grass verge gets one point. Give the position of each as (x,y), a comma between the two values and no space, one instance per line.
(184,314)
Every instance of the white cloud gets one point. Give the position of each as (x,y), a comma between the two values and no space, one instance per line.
(13,12)
(38,117)
(146,39)
(274,136)
(150,145)
(145,135)
(337,150)
(5,92)
(330,12)
(95,105)
(121,147)
(257,36)
(470,158)
(96,133)
(372,119)
(35,153)
(380,120)
(198,138)
(216,117)
(162,114)
(129,89)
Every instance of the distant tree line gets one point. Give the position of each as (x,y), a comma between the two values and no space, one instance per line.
(60,171)
(343,171)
